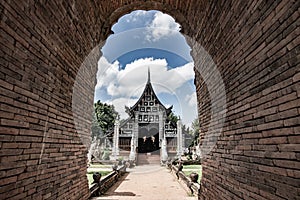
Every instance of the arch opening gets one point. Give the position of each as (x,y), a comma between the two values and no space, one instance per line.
(204,67)
(147,40)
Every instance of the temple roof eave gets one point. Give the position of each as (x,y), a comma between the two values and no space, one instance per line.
(143,94)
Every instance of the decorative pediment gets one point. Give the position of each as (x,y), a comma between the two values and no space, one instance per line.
(148,101)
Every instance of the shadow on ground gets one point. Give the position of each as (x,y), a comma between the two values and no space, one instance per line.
(112,190)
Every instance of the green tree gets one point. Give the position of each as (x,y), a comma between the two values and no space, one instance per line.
(96,130)
(106,116)
(195,131)
(195,127)
(173,118)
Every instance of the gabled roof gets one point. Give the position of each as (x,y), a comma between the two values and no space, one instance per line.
(125,122)
(149,86)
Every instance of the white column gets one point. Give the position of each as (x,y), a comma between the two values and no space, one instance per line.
(164,152)
(117,128)
(134,138)
(135,131)
(115,149)
(179,138)
(132,149)
(162,138)
(161,128)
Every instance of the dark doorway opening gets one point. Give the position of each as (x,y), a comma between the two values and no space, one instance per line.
(148,141)
(148,144)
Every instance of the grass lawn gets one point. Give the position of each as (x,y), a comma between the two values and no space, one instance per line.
(188,169)
(90,175)
(102,169)
(99,166)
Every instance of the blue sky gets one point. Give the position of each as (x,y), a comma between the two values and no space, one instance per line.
(142,40)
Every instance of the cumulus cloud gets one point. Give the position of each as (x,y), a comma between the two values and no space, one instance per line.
(124,86)
(136,19)
(106,72)
(134,16)
(162,26)
(130,81)
(191,99)
(120,104)
(139,13)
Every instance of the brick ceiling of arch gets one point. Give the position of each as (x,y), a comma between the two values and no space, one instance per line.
(255,45)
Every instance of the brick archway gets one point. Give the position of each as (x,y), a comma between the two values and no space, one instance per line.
(255,46)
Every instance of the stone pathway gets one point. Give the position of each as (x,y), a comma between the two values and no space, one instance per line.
(148,182)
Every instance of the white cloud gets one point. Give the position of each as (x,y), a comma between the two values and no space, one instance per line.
(106,72)
(120,104)
(131,81)
(135,19)
(124,86)
(163,25)
(167,105)
(140,12)
(191,99)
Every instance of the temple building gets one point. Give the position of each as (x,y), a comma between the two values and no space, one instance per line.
(148,132)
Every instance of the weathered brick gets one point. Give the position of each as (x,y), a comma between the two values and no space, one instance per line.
(265,112)
(287,164)
(9,131)
(292,121)
(25,92)
(8,180)
(27,175)
(270,125)
(19,196)
(282,155)
(254,45)
(278,132)
(290,104)
(289,147)
(16,171)
(285,98)
(296,77)
(8,122)
(293,173)
(264,147)
(273,140)
(294,139)
(8,152)
(272,169)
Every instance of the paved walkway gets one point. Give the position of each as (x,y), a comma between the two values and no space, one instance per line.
(148,182)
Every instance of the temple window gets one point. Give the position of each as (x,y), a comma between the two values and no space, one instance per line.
(156,118)
(145,118)
(151,119)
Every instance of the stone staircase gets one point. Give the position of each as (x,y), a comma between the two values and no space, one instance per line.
(123,153)
(148,159)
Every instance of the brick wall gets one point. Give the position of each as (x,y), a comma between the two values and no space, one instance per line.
(48,67)
(42,63)
(257,154)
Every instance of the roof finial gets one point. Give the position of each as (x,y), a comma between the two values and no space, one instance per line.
(148,74)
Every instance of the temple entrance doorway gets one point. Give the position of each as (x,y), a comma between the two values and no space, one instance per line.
(148,140)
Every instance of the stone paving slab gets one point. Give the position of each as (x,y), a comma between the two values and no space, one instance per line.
(148,182)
